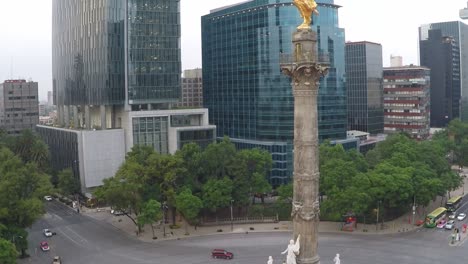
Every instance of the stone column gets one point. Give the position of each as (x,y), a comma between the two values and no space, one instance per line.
(87,117)
(103,117)
(66,115)
(75,117)
(305,72)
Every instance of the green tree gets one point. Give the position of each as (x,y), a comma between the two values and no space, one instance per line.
(191,156)
(189,206)
(30,148)
(218,158)
(8,253)
(150,213)
(67,183)
(125,190)
(217,193)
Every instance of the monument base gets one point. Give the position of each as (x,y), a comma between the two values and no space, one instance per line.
(314,260)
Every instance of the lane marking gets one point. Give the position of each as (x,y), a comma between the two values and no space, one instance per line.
(82,238)
(71,239)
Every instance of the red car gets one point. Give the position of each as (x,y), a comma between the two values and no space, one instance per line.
(44,246)
(221,253)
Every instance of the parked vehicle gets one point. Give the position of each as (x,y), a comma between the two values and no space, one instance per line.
(48,198)
(221,253)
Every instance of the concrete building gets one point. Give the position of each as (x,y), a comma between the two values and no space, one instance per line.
(444,49)
(396,61)
(248,97)
(192,89)
(50,98)
(364,86)
(19,106)
(115,82)
(407,100)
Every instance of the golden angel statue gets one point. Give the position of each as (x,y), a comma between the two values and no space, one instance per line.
(306,9)
(292,250)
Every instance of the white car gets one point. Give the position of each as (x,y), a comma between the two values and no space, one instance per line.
(47,233)
(461,216)
(453,216)
(48,198)
(450,225)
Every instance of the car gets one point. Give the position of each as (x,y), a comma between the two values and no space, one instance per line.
(441,224)
(48,198)
(47,233)
(453,216)
(57,260)
(117,212)
(450,225)
(461,216)
(44,246)
(221,253)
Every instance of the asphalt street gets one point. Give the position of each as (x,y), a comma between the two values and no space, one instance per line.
(81,239)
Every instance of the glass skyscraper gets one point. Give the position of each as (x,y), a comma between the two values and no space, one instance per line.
(116,52)
(247,96)
(458,31)
(364,72)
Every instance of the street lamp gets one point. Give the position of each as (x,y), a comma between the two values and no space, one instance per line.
(232,218)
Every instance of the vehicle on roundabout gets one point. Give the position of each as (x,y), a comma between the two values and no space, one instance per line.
(221,253)
(461,216)
(453,216)
(441,224)
(44,246)
(47,233)
(450,225)
(57,260)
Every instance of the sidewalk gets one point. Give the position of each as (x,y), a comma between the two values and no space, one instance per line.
(402,224)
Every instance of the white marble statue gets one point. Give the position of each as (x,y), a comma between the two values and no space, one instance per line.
(292,250)
(337,259)
(270,260)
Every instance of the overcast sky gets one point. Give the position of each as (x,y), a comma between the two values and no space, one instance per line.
(25,31)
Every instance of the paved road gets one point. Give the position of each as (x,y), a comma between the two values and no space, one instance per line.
(81,239)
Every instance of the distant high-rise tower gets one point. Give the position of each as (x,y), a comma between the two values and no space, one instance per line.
(396,61)
(364,86)
(19,106)
(248,98)
(50,98)
(441,54)
(192,89)
(464,13)
(407,100)
(458,32)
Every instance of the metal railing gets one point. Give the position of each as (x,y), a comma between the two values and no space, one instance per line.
(241,220)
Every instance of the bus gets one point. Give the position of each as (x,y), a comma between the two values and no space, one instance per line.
(433,218)
(453,204)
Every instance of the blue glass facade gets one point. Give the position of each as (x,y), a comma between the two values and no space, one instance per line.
(154,60)
(100,47)
(248,97)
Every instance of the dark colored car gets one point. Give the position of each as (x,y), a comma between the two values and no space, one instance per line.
(221,253)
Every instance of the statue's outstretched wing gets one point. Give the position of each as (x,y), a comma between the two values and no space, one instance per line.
(311,4)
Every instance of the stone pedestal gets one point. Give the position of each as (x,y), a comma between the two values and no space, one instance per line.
(305,72)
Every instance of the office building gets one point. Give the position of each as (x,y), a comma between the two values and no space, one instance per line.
(192,89)
(364,86)
(19,106)
(407,100)
(449,95)
(116,77)
(248,98)
(50,98)
(441,54)
(396,61)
